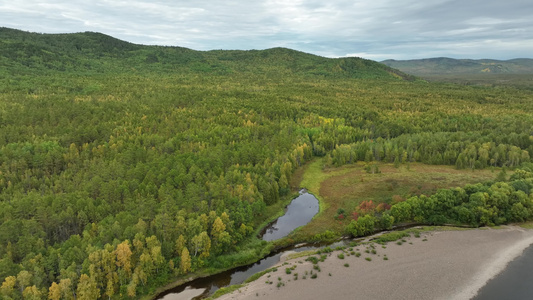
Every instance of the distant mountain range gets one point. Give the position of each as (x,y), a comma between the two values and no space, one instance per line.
(447,66)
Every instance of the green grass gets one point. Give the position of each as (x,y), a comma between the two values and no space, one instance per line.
(314,176)
(347,186)
(259,274)
(301,254)
(391,236)
(528,225)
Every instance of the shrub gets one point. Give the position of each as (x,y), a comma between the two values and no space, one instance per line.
(386,221)
(366,206)
(384,206)
(327,250)
(363,226)
(325,236)
(391,237)
(340,214)
(312,259)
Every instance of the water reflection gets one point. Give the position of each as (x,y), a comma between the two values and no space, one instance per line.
(299,212)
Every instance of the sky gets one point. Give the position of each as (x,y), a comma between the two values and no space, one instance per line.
(372,29)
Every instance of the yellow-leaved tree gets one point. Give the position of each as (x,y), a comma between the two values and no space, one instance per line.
(185,264)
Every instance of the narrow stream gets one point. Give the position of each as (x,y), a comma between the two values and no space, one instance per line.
(298,213)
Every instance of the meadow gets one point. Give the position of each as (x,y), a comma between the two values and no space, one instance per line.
(345,188)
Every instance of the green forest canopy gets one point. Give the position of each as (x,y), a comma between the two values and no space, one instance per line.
(123,166)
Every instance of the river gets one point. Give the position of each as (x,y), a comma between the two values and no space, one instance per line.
(515,282)
(298,213)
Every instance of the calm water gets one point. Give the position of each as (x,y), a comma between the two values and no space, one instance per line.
(299,212)
(515,282)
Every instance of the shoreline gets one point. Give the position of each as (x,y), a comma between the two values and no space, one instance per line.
(438,265)
(494,269)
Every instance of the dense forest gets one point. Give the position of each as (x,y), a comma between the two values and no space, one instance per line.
(123,167)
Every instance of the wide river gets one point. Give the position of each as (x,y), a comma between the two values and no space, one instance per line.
(515,282)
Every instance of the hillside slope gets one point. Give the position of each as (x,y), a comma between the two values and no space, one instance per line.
(444,66)
(24,53)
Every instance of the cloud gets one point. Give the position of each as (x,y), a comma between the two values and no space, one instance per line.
(377,29)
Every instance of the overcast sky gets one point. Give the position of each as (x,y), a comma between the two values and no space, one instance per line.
(373,29)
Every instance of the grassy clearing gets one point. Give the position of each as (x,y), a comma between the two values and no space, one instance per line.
(313,176)
(346,187)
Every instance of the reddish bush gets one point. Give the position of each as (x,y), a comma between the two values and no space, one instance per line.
(340,216)
(367,206)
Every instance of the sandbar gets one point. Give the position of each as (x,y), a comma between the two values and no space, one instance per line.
(442,264)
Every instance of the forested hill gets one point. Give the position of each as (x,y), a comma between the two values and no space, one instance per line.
(23,53)
(445,66)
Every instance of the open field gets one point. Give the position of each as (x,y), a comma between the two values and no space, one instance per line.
(346,187)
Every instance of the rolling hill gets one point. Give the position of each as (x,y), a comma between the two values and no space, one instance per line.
(446,66)
(89,52)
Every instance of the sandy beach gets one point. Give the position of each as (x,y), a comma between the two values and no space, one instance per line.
(437,265)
